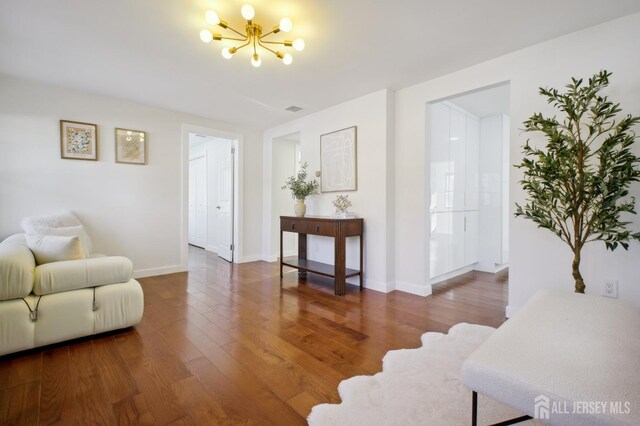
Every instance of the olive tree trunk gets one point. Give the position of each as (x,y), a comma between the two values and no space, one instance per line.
(576,270)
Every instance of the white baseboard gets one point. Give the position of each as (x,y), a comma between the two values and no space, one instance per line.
(451,274)
(276,256)
(270,258)
(250,258)
(492,268)
(502,267)
(511,310)
(141,273)
(420,290)
(374,285)
(485,267)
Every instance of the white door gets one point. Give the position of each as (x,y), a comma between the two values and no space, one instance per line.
(225,200)
(198,201)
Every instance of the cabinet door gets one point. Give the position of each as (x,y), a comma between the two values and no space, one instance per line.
(471,237)
(472,151)
(457,162)
(440,244)
(505,187)
(439,157)
(457,251)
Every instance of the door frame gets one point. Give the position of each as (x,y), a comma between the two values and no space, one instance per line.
(267,194)
(238,145)
(427,164)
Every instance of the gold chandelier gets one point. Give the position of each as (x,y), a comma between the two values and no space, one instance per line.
(252,37)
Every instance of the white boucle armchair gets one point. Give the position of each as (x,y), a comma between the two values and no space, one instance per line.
(62,300)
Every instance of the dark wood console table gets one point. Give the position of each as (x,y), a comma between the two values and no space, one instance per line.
(339,229)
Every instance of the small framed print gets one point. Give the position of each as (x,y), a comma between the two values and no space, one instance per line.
(131,146)
(78,141)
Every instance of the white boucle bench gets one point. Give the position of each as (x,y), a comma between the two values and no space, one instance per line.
(570,359)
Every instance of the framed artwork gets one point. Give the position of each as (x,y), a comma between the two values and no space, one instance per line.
(78,141)
(131,146)
(338,162)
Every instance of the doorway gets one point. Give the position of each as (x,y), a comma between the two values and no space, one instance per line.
(468,146)
(211,212)
(285,162)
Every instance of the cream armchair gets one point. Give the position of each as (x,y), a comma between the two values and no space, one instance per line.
(62,300)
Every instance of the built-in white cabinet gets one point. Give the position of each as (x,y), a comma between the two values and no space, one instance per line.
(454,186)
(457,159)
(439,154)
(471,242)
(453,242)
(494,190)
(472,153)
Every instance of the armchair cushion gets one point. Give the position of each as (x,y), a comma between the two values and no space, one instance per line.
(17,266)
(55,248)
(74,274)
(70,231)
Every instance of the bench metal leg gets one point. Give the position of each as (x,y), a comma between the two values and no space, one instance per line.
(474,409)
(474,414)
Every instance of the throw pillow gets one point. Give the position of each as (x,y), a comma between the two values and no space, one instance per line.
(55,248)
(69,231)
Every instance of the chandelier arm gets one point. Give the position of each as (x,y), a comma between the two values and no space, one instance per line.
(243,45)
(233,38)
(239,33)
(283,43)
(273,31)
(265,47)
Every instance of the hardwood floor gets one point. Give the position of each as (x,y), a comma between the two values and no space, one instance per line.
(225,344)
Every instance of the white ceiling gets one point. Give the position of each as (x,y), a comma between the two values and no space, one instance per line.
(485,103)
(149,50)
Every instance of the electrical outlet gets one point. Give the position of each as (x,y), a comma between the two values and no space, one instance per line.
(610,289)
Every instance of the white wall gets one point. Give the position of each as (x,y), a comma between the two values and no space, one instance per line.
(371,113)
(129,210)
(538,259)
(283,165)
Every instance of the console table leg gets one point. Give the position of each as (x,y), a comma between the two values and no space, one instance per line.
(340,261)
(302,252)
(361,258)
(281,254)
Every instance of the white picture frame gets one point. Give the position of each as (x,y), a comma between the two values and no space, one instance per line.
(338,161)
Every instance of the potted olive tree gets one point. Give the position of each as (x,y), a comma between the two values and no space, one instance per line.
(301,189)
(578,185)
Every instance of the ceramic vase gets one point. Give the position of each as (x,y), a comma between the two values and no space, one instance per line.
(300,208)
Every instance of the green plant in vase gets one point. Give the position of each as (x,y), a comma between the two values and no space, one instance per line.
(578,185)
(300,189)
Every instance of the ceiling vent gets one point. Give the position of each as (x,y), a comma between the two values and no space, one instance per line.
(293,108)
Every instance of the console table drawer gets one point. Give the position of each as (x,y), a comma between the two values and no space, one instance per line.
(309,227)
